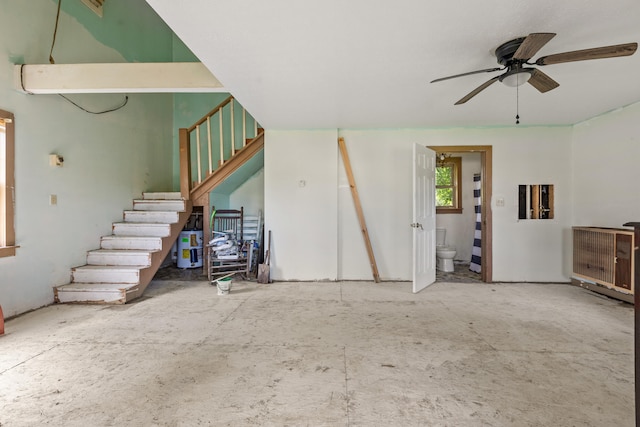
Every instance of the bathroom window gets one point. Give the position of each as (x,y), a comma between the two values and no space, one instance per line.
(448,185)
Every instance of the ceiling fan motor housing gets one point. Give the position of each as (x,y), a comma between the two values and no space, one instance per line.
(505,51)
(504,54)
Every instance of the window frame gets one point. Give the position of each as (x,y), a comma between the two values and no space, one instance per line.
(7,242)
(456,164)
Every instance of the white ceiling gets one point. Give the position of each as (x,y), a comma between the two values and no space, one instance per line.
(368,63)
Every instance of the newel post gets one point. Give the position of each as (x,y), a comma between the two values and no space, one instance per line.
(185,163)
(636,303)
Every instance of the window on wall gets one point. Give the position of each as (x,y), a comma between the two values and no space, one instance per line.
(448,184)
(7,187)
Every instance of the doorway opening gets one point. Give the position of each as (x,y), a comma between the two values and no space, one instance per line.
(485,152)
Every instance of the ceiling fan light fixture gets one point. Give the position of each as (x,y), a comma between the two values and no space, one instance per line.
(517,78)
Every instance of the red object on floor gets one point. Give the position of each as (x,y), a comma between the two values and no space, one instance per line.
(1,321)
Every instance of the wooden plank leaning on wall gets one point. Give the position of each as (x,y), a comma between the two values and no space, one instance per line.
(356,201)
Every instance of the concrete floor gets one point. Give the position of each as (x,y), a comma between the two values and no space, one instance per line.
(324,354)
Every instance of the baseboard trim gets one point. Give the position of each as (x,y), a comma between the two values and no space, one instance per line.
(603,290)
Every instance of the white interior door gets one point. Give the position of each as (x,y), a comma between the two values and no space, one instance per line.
(424,217)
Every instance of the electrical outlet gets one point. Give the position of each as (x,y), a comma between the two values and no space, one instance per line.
(500,202)
(53,199)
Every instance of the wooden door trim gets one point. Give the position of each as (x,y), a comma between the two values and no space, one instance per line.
(486,160)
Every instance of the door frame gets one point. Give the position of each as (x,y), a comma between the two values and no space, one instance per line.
(486,157)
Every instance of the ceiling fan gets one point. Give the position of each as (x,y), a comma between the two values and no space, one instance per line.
(515,54)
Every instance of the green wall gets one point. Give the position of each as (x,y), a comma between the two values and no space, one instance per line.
(189,108)
(130,27)
(110,159)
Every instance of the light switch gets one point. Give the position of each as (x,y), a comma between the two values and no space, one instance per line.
(53,199)
(55,160)
(500,202)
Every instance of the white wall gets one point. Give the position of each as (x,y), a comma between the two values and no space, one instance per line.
(250,195)
(532,250)
(109,158)
(381,161)
(300,201)
(461,227)
(382,173)
(606,174)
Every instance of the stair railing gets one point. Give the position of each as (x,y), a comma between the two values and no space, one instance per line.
(212,141)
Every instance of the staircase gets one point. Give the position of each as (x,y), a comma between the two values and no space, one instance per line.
(207,160)
(128,259)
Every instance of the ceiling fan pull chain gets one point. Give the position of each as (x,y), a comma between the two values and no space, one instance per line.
(518,101)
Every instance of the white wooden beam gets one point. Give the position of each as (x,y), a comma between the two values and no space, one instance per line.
(115,78)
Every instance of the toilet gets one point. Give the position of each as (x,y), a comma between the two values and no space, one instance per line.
(444,254)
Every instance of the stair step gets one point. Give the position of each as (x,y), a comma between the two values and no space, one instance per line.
(141,229)
(167,217)
(119,257)
(131,242)
(159,205)
(106,274)
(174,195)
(95,293)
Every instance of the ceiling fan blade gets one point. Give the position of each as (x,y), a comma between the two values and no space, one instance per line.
(488,70)
(542,82)
(478,90)
(532,44)
(585,54)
